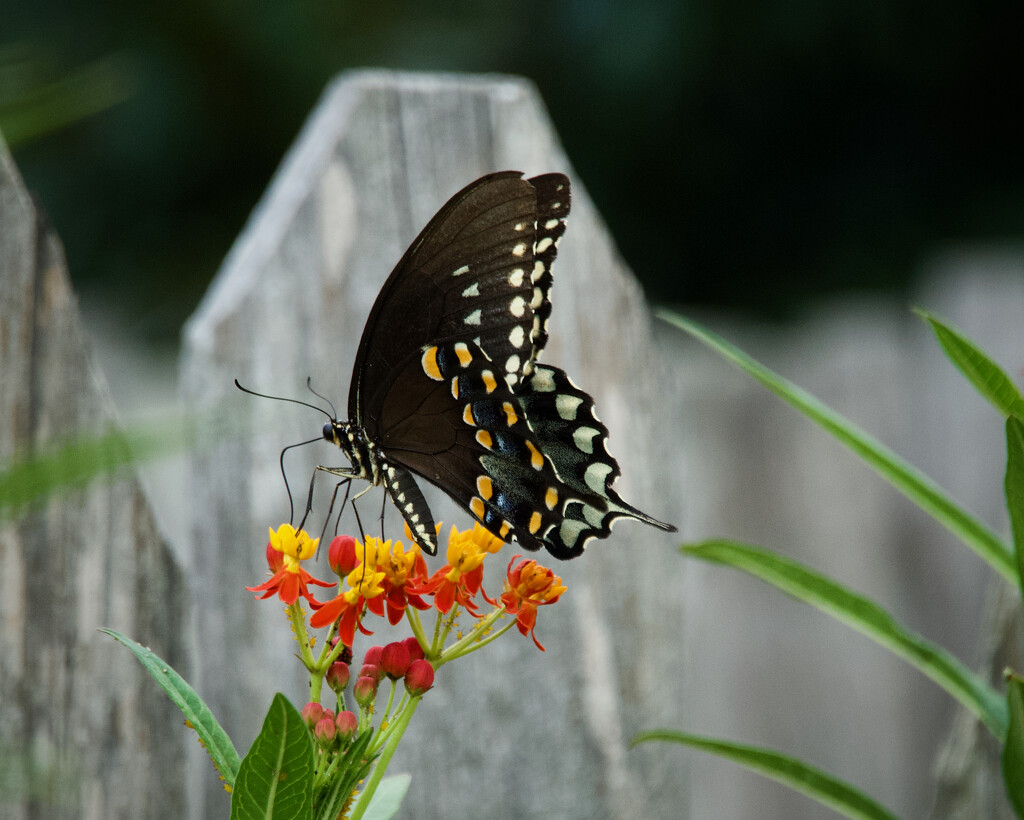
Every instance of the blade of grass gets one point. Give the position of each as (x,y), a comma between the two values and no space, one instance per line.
(986,376)
(866,617)
(790,771)
(914,484)
(1014,487)
(1013,749)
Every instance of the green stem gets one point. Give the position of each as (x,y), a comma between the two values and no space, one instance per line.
(459,647)
(298,619)
(413,617)
(400,725)
(492,637)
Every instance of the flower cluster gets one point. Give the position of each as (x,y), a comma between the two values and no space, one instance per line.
(392,582)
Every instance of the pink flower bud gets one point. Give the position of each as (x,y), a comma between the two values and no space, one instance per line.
(341,555)
(312,712)
(337,676)
(365,692)
(372,655)
(347,724)
(371,670)
(326,732)
(415,650)
(275,559)
(395,660)
(419,678)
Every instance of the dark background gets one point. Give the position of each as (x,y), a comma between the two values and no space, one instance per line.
(745,154)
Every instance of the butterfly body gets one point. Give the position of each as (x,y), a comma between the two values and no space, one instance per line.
(447,386)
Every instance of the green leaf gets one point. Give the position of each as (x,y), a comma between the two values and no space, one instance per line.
(1013,749)
(866,617)
(387,800)
(1014,486)
(986,376)
(355,767)
(914,484)
(799,776)
(214,739)
(275,779)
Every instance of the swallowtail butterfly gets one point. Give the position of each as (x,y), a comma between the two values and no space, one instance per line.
(447,386)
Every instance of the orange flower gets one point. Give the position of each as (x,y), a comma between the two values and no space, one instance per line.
(364,586)
(458,581)
(528,586)
(402,571)
(286,549)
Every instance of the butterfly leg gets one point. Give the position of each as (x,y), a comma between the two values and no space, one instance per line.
(334,497)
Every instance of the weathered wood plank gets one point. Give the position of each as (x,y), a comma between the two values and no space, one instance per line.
(84,733)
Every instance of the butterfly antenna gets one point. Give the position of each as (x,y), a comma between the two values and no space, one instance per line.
(293,401)
(309,386)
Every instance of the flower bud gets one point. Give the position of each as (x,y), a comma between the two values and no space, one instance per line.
(275,559)
(337,676)
(365,692)
(341,555)
(347,724)
(372,670)
(395,660)
(312,712)
(419,678)
(415,650)
(372,655)
(326,732)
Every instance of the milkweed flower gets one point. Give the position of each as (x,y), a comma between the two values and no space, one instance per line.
(364,583)
(286,549)
(403,570)
(528,585)
(458,581)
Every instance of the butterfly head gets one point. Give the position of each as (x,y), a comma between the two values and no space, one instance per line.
(349,438)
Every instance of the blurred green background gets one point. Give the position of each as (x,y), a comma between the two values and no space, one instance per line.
(745,154)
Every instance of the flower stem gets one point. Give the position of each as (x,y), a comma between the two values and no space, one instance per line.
(459,647)
(398,729)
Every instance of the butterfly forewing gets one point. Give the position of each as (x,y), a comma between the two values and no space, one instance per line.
(466,276)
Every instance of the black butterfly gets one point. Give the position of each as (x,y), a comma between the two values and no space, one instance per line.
(446,383)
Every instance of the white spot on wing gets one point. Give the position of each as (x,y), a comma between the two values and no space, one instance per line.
(594,516)
(460,271)
(538,271)
(543,382)
(519,249)
(517,308)
(596,476)
(550,224)
(472,290)
(516,336)
(570,531)
(583,438)
(512,365)
(473,318)
(515,279)
(567,406)
(544,244)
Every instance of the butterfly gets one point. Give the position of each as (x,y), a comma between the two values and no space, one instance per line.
(447,385)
